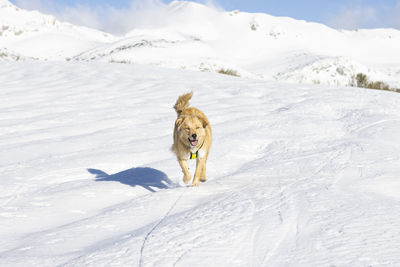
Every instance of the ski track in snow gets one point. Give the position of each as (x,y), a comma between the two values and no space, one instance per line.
(298,175)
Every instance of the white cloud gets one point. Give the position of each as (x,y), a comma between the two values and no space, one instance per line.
(212,4)
(355,18)
(102,17)
(139,13)
(366,16)
(81,15)
(32,4)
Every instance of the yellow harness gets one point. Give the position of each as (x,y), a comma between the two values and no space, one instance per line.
(193,155)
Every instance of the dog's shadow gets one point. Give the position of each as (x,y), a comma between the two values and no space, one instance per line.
(145,177)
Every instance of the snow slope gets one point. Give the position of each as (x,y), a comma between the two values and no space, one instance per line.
(188,35)
(39,36)
(192,36)
(298,175)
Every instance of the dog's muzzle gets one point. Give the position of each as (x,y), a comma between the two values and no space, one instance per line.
(193,141)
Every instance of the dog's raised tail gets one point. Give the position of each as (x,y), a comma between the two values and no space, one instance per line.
(182,102)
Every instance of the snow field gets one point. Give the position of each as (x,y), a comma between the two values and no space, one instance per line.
(298,175)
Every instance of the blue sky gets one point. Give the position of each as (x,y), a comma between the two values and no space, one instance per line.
(344,14)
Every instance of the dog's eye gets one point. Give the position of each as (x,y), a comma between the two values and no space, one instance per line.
(197,128)
(187,129)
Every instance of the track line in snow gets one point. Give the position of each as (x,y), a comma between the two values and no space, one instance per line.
(155,227)
(231,191)
(361,128)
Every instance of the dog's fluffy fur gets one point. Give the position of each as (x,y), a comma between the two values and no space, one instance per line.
(192,134)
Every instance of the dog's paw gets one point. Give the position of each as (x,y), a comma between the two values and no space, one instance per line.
(196,183)
(186,179)
(203,180)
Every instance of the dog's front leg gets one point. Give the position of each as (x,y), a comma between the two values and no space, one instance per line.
(187,176)
(203,173)
(200,167)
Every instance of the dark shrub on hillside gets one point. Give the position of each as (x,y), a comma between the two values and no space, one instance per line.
(228,72)
(361,80)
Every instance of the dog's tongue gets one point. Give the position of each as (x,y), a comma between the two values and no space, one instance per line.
(193,143)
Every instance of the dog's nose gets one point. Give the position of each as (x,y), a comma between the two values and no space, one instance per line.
(194,136)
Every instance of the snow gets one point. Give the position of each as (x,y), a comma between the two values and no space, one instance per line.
(188,35)
(39,36)
(256,46)
(301,175)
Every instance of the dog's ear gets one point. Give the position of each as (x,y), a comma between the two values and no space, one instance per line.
(179,122)
(204,121)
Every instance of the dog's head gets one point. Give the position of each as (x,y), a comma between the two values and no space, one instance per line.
(191,130)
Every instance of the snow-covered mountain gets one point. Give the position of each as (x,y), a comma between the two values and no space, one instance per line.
(34,35)
(188,35)
(193,36)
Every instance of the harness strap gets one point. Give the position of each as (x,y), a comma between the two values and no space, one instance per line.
(193,155)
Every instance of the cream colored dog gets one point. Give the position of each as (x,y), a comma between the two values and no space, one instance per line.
(192,139)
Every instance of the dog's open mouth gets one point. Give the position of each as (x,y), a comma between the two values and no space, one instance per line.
(193,142)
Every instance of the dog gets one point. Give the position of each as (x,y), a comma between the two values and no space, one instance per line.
(192,139)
